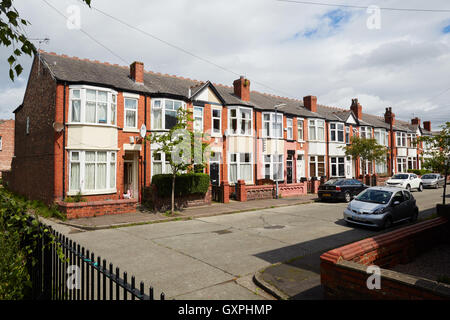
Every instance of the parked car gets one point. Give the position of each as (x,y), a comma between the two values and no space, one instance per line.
(340,189)
(381,207)
(433,180)
(405,180)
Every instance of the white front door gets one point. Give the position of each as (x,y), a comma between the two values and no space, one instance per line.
(348,167)
(300,167)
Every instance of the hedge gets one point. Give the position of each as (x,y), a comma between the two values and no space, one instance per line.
(419,172)
(189,183)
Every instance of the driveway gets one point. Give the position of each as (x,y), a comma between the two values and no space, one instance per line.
(216,257)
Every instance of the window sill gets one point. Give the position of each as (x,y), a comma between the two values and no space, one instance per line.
(79,124)
(90,193)
(133,130)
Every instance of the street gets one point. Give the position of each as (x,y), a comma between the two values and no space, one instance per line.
(216,257)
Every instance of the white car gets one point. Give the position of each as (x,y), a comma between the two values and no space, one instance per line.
(407,181)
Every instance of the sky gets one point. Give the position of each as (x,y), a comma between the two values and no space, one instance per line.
(401,60)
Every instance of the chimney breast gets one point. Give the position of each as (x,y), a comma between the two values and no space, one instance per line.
(389,117)
(310,103)
(356,108)
(416,120)
(137,71)
(427,125)
(242,88)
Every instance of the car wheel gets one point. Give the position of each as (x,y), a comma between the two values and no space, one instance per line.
(408,187)
(347,197)
(387,223)
(436,186)
(414,216)
(420,188)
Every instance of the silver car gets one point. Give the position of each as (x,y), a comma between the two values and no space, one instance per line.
(381,207)
(432,180)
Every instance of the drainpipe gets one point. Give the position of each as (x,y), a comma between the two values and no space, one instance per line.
(64,144)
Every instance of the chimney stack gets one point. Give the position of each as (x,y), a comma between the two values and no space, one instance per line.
(242,88)
(415,121)
(356,108)
(389,117)
(137,71)
(427,125)
(310,103)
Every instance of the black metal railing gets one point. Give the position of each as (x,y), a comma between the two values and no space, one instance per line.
(61,269)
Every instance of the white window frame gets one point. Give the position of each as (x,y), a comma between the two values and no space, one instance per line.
(382,139)
(125,109)
(381,167)
(1,143)
(213,132)
(413,161)
(162,107)
(316,162)
(238,163)
(403,163)
(313,126)
(82,161)
(110,102)
(336,164)
(400,137)
(290,128)
(365,132)
(239,120)
(201,118)
(300,128)
(338,127)
(274,160)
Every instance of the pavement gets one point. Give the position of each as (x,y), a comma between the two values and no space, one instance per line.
(142,216)
(223,256)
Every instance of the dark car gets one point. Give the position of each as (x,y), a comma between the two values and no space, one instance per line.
(341,189)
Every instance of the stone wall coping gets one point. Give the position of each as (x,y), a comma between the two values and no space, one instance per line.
(96,203)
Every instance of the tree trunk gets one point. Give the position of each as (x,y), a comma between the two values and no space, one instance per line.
(173,194)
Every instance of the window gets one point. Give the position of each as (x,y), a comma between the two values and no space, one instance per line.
(198,119)
(411,140)
(240,167)
(401,165)
(1,143)
(273,167)
(347,135)
(160,163)
(412,162)
(92,171)
(272,126)
(337,166)
(216,117)
(381,136)
(164,113)
(92,105)
(300,136)
(28,126)
(365,132)
(131,114)
(240,121)
(381,167)
(316,166)
(316,130)
(290,129)
(367,167)
(401,139)
(337,132)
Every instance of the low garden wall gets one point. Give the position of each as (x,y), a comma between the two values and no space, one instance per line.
(344,270)
(190,200)
(74,210)
(258,192)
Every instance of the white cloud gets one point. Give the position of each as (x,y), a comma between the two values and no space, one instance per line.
(402,65)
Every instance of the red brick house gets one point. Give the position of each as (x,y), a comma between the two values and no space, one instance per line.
(79,126)
(6,144)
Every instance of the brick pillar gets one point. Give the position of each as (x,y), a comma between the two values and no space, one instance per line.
(241,192)
(367,179)
(374,179)
(225,188)
(316,184)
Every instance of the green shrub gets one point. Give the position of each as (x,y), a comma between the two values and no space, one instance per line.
(76,198)
(185,184)
(419,172)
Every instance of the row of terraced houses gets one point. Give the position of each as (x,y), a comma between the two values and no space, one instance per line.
(79,130)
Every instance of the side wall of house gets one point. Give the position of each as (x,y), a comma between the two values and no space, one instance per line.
(32,166)
(7,145)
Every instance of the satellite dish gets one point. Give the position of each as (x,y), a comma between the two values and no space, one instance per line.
(58,126)
(143,131)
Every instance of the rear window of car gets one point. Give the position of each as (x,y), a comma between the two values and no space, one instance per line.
(333,182)
(400,176)
(429,176)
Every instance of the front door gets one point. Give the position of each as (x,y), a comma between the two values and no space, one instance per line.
(348,167)
(130,175)
(300,167)
(289,165)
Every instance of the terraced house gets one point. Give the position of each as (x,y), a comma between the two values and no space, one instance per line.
(79,127)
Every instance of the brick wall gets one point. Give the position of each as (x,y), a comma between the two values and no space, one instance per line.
(96,208)
(7,144)
(343,270)
(191,200)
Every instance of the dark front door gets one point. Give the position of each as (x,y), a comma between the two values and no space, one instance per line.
(289,170)
(214,173)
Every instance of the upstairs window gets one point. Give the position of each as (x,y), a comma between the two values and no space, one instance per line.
(365,132)
(316,130)
(164,113)
(401,139)
(337,132)
(347,135)
(1,143)
(216,117)
(300,136)
(131,113)
(381,136)
(272,126)
(91,105)
(240,122)
(290,129)
(198,119)
(411,140)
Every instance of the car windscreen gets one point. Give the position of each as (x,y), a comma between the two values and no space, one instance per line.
(429,176)
(400,176)
(375,196)
(332,181)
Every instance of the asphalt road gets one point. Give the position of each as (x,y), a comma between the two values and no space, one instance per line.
(216,257)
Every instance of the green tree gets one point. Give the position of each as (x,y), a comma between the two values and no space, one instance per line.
(12,33)
(436,149)
(182,147)
(365,149)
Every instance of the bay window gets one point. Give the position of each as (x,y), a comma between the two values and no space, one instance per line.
(92,171)
(337,132)
(401,139)
(411,140)
(92,105)
(382,137)
(240,122)
(365,133)
(401,165)
(240,167)
(412,163)
(164,113)
(337,166)
(381,167)
(273,125)
(316,130)
(273,167)
(316,166)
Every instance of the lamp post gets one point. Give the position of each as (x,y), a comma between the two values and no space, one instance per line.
(447,163)
(276,150)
